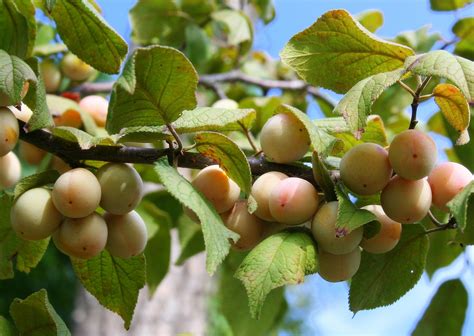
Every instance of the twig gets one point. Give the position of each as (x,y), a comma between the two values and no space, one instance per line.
(451,224)
(416,102)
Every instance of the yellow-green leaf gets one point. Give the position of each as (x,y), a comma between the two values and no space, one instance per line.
(455,109)
(371,19)
(448,5)
(336,52)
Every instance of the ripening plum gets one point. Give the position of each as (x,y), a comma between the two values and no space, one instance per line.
(122,188)
(261,190)
(335,268)
(226,104)
(9,131)
(406,201)
(446,181)
(217,187)
(10,170)
(31,154)
(59,165)
(284,138)
(365,169)
(249,227)
(412,154)
(127,234)
(77,193)
(76,69)
(293,201)
(97,107)
(325,233)
(388,236)
(51,75)
(34,216)
(82,238)
(6,101)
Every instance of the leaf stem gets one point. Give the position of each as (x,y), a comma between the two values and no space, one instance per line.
(249,137)
(451,224)
(407,88)
(176,137)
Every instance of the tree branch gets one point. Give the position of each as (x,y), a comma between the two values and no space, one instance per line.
(416,102)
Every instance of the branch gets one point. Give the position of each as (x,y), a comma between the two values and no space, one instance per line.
(71,152)
(416,102)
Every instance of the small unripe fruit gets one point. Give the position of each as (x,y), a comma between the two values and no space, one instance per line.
(127,234)
(217,187)
(261,190)
(365,169)
(325,233)
(226,104)
(249,227)
(406,201)
(31,154)
(74,68)
(293,201)
(97,107)
(446,181)
(412,154)
(122,188)
(76,193)
(9,131)
(33,215)
(388,236)
(284,138)
(10,170)
(335,268)
(51,75)
(82,238)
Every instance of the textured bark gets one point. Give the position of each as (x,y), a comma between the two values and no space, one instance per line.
(179,305)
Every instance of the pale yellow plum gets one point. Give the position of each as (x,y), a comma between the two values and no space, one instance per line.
(9,131)
(59,165)
(412,154)
(127,234)
(261,190)
(406,201)
(387,237)
(122,188)
(10,170)
(284,139)
(31,154)
(77,193)
(365,169)
(324,231)
(226,104)
(342,267)
(82,238)
(76,69)
(51,75)
(217,187)
(446,181)
(97,107)
(248,226)
(293,201)
(34,216)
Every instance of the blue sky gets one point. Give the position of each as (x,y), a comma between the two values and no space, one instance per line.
(327,311)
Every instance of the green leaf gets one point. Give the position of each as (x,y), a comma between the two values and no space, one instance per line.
(264,107)
(265,9)
(34,181)
(323,178)
(6,328)
(441,63)
(35,316)
(448,5)
(356,105)
(383,278)
(336,52)
(371,19)
(158,248)
(281,259)
(228,155)
(155,88)
(419,40)
(113,281)
(191,239)
(14,72)
(447,311)
(455,109)
(79,25)
(198,46)
(26,253)
(85,140)
(350,217)
(443,251)
(18,27)
(233,303)
(216,235)
(464,29)
(239,29)
(321,141)
(459,204)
